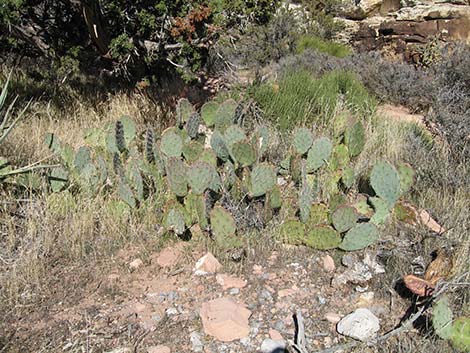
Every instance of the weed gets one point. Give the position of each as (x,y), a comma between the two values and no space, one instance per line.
(324,46)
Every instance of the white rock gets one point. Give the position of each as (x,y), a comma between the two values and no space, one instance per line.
(360,324)
(196,342)
(272,346)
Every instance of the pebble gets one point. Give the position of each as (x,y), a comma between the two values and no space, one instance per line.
(361,325)
(234,291)
(136,264)
(273,346)
(196,343)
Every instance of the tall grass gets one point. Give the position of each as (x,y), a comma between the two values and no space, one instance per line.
(324,46)
(300,99)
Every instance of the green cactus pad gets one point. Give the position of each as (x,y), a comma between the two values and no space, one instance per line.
(382,210)
(292,232)
(442,318)
(229,175)
(82,159)
(296,168)
(360,237)
(216,180)
(58,179)
(192,125)
(129,129)
(119,136)
(244,153)
(219,145)
(192,151)
(460,337)
(200,177)
(171,143)
(209,156)
(344,218)
(135,180)
(323,238)
(354,138)
(53,143)
(385,181)
(305,202)
(234,134)
(407,177)
(67,154)
(222,222)
(274,198)
(176,172)
(209,113)
(263,179)
(319,153)
(302,140)
(174,220)
(339,157)
(339,125)
(362,206)
(126,195)
(347,177)
(318,215)
(261,139)
(405,213)
(225,114)
(184,109)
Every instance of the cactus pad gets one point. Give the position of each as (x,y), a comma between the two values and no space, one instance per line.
(354,138)
(222,222)
(305,202)
(225,114)
(209,113)
(347,177)
(200,176)
(219,146)
(58,179)
(234,134)
(319,153)
(184,109)
(263,179)
(407,176)
(243,153)
(360,237)
(126,195)
(176,172)
(344,218)
(302,140)
(174,219)
(339,157)
(381,209)
(171,143)
(322,237)
(292,232)
(192,151)
(192,125)
(385,181)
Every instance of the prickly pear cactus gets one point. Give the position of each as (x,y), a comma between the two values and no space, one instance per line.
(292,232)
(322,237)
(344,218)
(244,153)
(261,139)
(225,114)
(382,210)
(149,145)
(305,202)
(460,337)
(126,195)
(184,109)
(209,113)
(263,179)
(174,218)
(192,125)
(385,181)
(339,157)
(58,179)
(222,222)
(200,176)
(442,318)
(234,134)
(176,172)
(407,177)
(120,140)
(319,153)
(192,151)
(360,237)
(219,146)
(354,138)
(347,177)
(171,143)
(318,215)
(302,140)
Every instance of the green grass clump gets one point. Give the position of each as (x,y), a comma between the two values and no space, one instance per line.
(329,47)
(299,98)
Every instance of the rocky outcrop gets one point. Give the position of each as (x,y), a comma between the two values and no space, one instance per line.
(405,24)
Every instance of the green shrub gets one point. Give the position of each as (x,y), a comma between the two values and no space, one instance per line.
(299,98)
(329,47)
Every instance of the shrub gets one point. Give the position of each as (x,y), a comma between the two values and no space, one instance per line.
(299,98)
(324,46)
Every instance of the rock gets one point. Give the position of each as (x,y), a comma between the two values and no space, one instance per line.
(273,346)
(275,335)
(207,264)
(361,325)
(196,343)
(361,9)
(332,317)
(430,223)
(349,260)
(227,281)
(158,349)
(168,257)
(328,263)
(234,291)
(372,263)
(136,264)
(224,319)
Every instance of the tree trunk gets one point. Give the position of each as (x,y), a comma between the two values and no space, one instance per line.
(96,25)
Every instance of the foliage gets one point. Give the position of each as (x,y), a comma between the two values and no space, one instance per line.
(299,98)
(324,46)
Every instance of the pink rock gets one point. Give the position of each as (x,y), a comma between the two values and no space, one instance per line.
(137,263)
(225,320)
(430,223)
(257,270)
(275,335)
(207,264)
(286,292)
(328,263)
(158,349)
(332,317)
(227,281)
(168,257)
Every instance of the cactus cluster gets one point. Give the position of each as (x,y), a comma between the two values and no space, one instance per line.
(207,159)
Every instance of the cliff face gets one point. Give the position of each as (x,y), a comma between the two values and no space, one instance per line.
(404,25)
